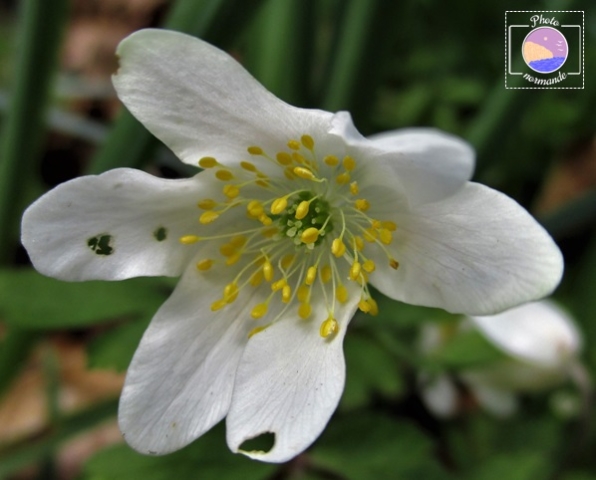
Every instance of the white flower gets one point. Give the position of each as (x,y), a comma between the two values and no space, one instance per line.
(297,212)
(541,343)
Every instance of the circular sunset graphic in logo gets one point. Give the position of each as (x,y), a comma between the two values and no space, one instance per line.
(545,49)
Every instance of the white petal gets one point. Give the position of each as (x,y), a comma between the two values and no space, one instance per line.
(200,102)
(539,333)
(439,395)
(476,252)
(430,165)
(289,383)
(501,403)
(180,381)
(130,209)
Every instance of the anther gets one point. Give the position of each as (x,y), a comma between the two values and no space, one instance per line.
(208,217)
(207,204)
(331,160)
(231,191)
(311,275)
(286,293)
(248,166)
(369,266)
(307,141)
(304,173)
(342,178)
(207,162)
(255,150)
(204,265)
(259,310)
(338,247)
(389,226)
(355,270)
(218,304)
(303,293)
(189,239)
(302,209)
(393,263)
(326,274)
(385,236)
(341,294)
(362,204)
(304,310)
(329,327)
(279,205)
(354,188)
(255,208)
(310,235)
(284,158)
(349,163)
(256,330)
(294,144)
(224,175)
(268,271)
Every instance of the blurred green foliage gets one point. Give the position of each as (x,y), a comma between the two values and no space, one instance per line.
(393,65)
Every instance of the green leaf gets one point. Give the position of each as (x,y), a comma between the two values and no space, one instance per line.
(368,445)
(208,458)
(370,370)
(114,349)
(514,466)
(30,300)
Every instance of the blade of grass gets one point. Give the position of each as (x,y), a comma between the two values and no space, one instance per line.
(42,24)
(281,49)
(129,144)
(363,41)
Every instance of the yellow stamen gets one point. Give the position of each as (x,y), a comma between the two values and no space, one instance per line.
(374,308)
(341,294)
(250,167)
(189,239)
(304,310)
(256,278)
(207,204)
(279,205)
(343,178)
(338,247)
(362,204)
(303,293)
(227,250)
(286,294)
(389,226)
(355,270)
(232,259)
(354,188)
(369,266)
(218,304)
(307,141)
(310,235)
(284,158)
(224,175)
(294,144)
(207,162)
(364,305)
(359,242)
(329,327)
(230,292)
(302,209)
(204,265)
(256,330)
(304,173)
(231,191)
(311,275)
(238,241)
(326,274)
(255,150)
(385,236)
(265,220)
(208,217)
(349,163)
(268,271)
(393,263)
(259,310)
(287,260)
(331,160)
(275,286)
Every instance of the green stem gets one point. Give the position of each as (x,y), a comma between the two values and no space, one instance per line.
(23,128)
(14,350)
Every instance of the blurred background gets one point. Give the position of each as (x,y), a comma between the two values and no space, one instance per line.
(64,347)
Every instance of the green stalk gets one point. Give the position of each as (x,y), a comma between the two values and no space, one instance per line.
(42,24)
(361,47)
(129,144)
(282,49)
(14,350)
